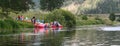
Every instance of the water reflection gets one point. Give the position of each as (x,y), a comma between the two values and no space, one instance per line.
(46,30)
(57,37)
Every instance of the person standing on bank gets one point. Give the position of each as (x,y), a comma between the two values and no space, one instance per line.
(33,20)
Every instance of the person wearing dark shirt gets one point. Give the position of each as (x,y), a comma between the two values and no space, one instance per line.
(33,20)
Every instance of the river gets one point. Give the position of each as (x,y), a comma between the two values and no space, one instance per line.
(82,36)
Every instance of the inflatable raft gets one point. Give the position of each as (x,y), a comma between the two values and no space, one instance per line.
(40,25)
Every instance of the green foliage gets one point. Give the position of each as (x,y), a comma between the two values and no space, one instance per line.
(16,5)
(8,26)
(112,17)
(84,17)
(97,18)
(25,24)
(118,19)
(89,22)
(100,7)
(4,25)
(69,18)
(55,16)
(50,4)
(66,18)
(12,24)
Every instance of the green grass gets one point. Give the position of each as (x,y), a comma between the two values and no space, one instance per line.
(88,22)
(8,26)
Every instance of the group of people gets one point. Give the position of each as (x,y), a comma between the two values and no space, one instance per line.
(34,21)
(56,23)
(20,17)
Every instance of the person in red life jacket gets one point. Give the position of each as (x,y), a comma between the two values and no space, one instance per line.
(33,20)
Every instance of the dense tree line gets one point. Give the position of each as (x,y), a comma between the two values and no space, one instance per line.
(50,5)
(15,5)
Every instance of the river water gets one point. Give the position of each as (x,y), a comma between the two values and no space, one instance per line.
(64,37)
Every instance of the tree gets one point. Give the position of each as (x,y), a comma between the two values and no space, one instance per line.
(50,4)
(65,18)
(15,5)
(112,17)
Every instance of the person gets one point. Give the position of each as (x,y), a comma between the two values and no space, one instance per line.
(21,17)
(33,20)
(42,21)
(51,23)
(54,23)
(38,21)
(18,17)
(57,24)
(26,18)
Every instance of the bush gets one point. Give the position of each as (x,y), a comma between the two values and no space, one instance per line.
(3,25)
(14,24)
(89,22)
(25,24)
(99,20)
(118,19)
(9,26)
(84,17)
(66,18)
(55,16)
(112,17)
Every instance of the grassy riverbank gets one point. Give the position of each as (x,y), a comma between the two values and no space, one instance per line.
(9,26)
(66,18)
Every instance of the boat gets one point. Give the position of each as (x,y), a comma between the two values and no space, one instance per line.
(53,26)
(41,25)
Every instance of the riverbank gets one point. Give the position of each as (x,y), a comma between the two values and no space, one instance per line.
(8,26)
(65,18)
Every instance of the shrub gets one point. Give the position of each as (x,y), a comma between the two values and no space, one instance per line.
(118,19)
(3,24)
(89,22)
(25,24)
(13,23)
(66,18)
(84,17)
(55,16)
(112,17)
(99,20)
(9,26)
